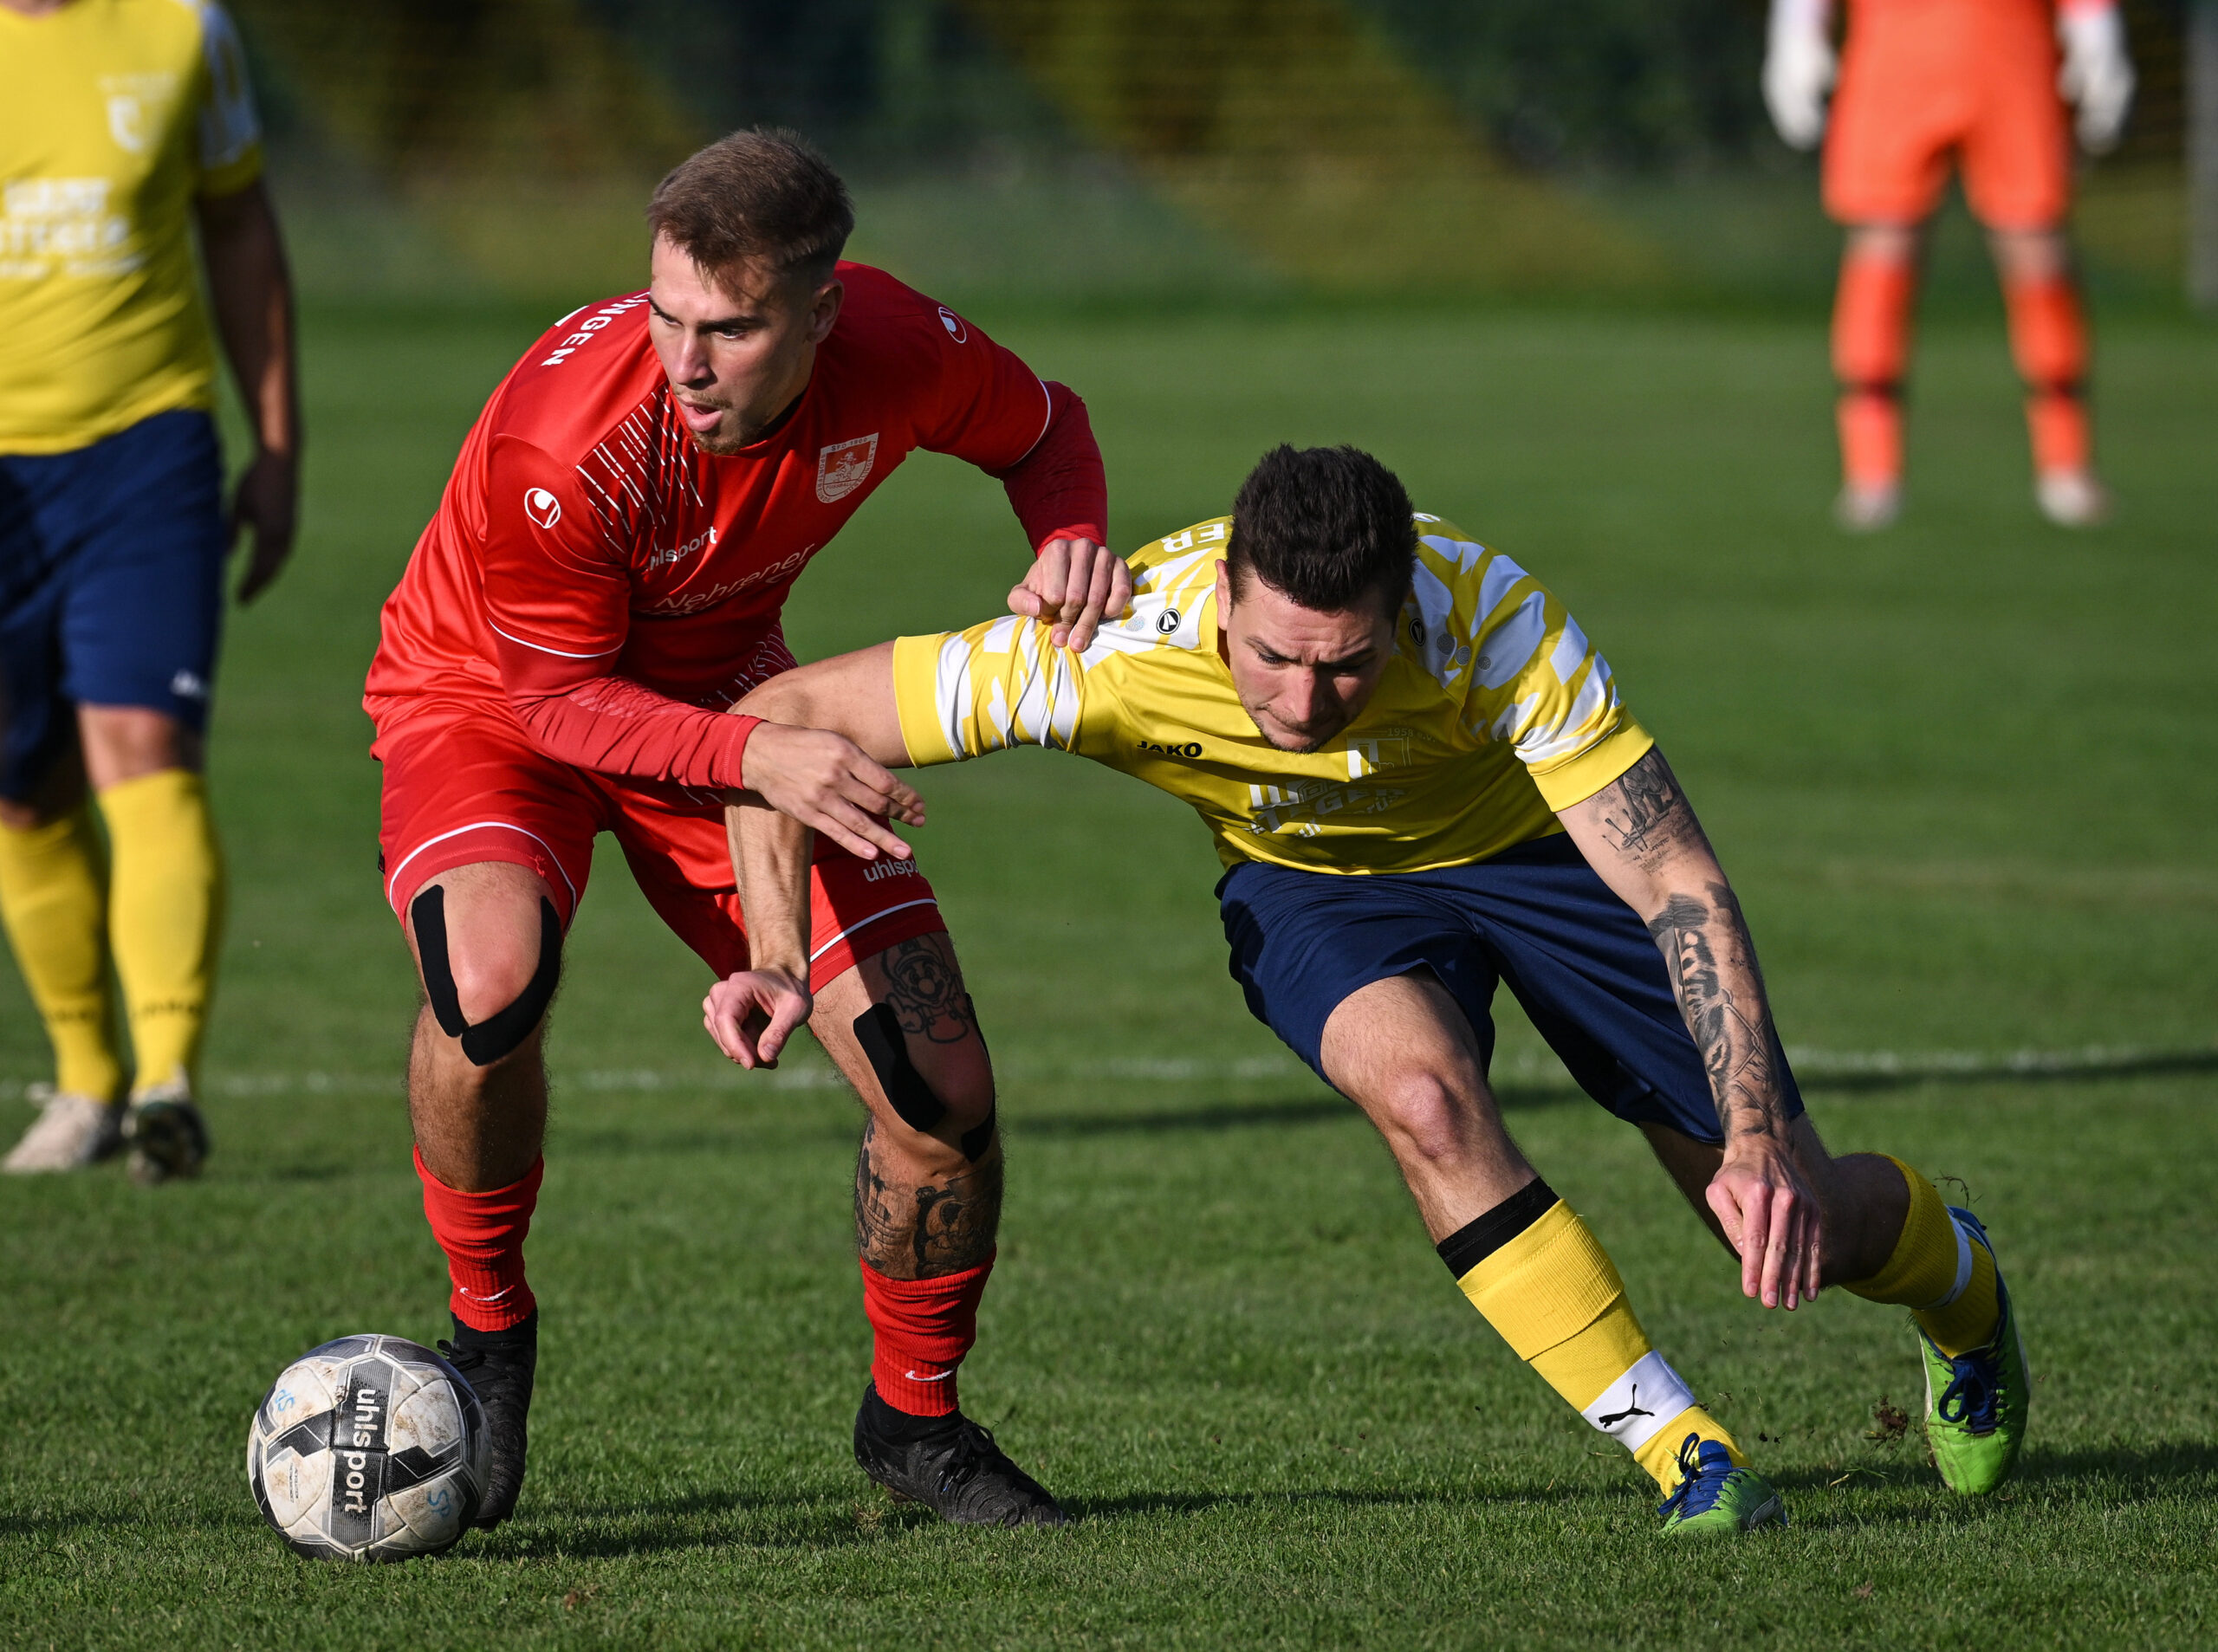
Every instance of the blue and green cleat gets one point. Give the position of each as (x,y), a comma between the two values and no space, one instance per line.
(1976,1403)
(1715,1498)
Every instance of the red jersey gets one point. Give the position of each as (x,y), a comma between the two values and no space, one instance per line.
(617,587)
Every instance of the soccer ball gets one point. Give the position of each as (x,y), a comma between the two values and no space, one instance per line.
(368,1449)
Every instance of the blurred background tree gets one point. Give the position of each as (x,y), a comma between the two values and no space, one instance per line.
(1113,150)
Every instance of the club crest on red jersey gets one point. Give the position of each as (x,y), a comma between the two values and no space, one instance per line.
(542,507)
(842,467)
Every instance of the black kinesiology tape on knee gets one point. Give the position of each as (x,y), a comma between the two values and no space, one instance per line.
(502,1032)
(1475,1240)
(877,1029)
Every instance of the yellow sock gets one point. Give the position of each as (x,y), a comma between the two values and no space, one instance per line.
(1939,1272)
(52,902)
(165,910)
(1555,1297)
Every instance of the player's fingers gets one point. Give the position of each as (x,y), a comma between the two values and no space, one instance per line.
(1778,1233)
(1120,588)
(788,1012)
(861,835)
(720,1016)
(894,800)
(879,782)
(1050,573)
(1024,601)
(1755,1231)
(1097,603)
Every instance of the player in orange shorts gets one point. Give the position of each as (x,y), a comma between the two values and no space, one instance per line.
(1982,84)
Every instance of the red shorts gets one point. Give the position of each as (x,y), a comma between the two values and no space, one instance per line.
(1972,81)
(464,784)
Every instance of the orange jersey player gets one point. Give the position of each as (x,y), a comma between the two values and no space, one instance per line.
(1982,84)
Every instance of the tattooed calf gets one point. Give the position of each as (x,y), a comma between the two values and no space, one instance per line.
(926,1230)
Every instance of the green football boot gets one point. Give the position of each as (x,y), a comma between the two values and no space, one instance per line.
(1715,1498)
(1976,1403)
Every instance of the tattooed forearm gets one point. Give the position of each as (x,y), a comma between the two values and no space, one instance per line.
(1712,969)
(922,1231)
(1644,815)
(924,987)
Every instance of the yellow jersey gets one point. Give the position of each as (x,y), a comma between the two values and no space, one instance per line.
(1495,712)
(113,115)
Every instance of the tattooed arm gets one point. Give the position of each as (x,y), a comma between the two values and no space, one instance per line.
(1641,836)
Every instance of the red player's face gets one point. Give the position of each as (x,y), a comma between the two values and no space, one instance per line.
(737,347)
(1303,675)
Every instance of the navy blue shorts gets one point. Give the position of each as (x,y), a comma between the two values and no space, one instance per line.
(111,585)
(1578,962)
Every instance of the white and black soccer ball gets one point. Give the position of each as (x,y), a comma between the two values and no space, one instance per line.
(368,1449)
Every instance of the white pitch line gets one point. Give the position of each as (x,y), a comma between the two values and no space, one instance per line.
(1524,1066)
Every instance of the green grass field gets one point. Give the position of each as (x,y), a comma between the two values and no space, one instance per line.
(1966,774)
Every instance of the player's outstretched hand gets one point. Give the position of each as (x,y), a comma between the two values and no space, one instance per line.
(1772,1217)
(2097,77)
(266,501)
(828,782)
(751,1014)
(1074,583)
(1800,68)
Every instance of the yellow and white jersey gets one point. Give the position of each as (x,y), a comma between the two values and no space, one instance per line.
(1495,712)
(113,115)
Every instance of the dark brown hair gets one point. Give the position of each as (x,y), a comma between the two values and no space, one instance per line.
(1327,527)
(764,193)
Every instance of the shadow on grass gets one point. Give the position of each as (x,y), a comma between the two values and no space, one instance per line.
(740,1519)
(1515,1096)
(2125,1473)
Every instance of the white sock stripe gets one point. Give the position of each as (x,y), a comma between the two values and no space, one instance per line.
(1963,1268)
(1633,1409)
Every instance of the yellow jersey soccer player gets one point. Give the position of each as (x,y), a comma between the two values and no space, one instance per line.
(1423,783)
(125,125)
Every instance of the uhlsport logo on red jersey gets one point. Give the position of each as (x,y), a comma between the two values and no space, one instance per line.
(841,467)
(542,507)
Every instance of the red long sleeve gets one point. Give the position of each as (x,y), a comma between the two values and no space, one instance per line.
(576,713)
(1059,490)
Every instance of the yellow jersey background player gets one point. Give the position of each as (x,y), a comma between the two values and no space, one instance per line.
(1422,784)
(125,125)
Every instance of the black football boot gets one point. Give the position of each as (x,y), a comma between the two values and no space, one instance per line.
(498,1365)
(948,1464)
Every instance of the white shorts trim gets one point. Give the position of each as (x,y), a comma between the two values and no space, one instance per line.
(560,653)
(928,900)
(508,826)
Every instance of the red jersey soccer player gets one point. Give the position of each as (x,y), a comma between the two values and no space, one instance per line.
(603,579)
(1921,82)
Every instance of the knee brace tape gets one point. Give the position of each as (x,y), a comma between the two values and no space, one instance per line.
(877,1029)
(502,1032)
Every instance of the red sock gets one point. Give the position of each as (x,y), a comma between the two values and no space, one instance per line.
(1871,423)
(482,1235)
(1872,318)
(2048,337)
(923,1328)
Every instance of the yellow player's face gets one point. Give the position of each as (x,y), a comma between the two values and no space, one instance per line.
(1303,675)
(738,348)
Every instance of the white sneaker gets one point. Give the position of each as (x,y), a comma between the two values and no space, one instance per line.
(2071,498)
(73,1131)
(1865,507)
